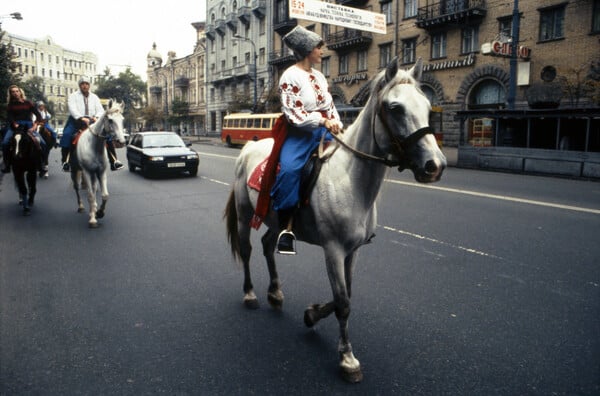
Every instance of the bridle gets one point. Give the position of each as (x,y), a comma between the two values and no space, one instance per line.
(400,145)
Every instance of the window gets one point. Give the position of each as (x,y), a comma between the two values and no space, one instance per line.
(552,22)
(385,54)
(596,17)
(438,45)
(261,56)
(470,39)
(408,50)
(386,9)
(505,28)
(344,64)
(325,32)
(362,58)
(325,66)
(410,8)
(262,26)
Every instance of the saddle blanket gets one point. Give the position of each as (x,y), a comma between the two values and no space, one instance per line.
(255,180)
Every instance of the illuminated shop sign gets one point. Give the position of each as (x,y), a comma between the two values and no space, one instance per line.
(498,48)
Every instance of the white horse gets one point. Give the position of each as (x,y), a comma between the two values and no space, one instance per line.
(391,130)
(89,165)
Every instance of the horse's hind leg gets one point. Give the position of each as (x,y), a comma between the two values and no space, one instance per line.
(104,190)
(250,299)
(274,295)
(75,178)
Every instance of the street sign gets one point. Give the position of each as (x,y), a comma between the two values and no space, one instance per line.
(334,14)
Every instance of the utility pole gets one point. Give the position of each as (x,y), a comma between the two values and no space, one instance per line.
(512,88)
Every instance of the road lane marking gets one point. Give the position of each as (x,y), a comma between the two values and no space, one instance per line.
(437,241)
(498,197)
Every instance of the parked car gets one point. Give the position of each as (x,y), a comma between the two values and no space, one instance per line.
(161,152)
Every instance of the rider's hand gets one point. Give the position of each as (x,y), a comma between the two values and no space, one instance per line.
(332,126)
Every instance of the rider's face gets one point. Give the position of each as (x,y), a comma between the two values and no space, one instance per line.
(15,93)
(316,55)
(85,87)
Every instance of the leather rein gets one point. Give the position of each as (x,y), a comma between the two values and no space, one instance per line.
(399,145)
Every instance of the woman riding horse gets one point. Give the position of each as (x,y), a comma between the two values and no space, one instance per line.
(310,113)
(20,113)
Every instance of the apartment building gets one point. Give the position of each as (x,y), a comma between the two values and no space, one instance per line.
(180,79)
(59,67)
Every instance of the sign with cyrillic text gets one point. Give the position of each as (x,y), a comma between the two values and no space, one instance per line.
(335,14)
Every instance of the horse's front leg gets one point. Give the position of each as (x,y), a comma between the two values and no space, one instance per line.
(274,295)
(104,191)
(76,176)
(91,195)
(336,269)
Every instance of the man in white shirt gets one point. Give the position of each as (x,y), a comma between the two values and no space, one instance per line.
(84,109)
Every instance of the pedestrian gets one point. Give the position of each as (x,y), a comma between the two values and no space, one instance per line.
(84,108)
(310,113)
(46,116)
(21,113)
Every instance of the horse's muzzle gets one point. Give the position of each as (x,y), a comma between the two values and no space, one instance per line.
(431,171)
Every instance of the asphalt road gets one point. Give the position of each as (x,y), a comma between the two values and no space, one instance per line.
(484,283)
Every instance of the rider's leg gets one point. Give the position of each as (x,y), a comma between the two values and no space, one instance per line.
(6,150)
(115,164)
(66,141)
(286,239)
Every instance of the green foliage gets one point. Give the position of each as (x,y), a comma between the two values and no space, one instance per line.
(127,87)
(8,74)
(154,118)
(180,110)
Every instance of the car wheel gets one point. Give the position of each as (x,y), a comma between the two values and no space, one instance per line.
(228,141)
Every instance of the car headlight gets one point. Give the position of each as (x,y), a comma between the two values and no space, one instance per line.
(192,156)
(156,158)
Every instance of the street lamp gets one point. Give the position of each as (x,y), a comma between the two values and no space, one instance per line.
(14,15)
(512,88)
(237,36)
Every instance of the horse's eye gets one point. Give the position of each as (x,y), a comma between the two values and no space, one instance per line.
(396,108)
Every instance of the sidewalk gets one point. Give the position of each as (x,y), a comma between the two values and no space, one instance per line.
(451,153)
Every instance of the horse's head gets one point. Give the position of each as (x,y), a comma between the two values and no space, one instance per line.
(111,123)
(401,122)
(22,145)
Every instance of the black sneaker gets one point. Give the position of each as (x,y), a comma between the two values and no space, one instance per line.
(286,242)
(66,167)
(116,166)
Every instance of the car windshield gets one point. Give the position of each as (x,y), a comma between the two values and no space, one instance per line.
(163,141)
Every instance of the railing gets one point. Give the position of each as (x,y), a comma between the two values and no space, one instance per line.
(449,11)
(348,37)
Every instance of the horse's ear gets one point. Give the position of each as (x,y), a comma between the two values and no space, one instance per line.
(417,70)
(110,103)
(391,70)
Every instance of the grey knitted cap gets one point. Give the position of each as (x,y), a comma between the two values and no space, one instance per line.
(302,41)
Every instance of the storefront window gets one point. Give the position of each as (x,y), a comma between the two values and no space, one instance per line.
(488,93)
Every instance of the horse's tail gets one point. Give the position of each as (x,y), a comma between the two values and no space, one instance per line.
(231,218)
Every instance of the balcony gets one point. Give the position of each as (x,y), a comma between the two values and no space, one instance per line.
(221,27)
(245,15)
(349,38)
(232,21)
(210,32)
(281,58)
(239,72)
(283,24)
(450,12)
(155,90)
(352,3)
(259,8)
(182,82)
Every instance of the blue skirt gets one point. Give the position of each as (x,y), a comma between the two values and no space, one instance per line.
(295,152)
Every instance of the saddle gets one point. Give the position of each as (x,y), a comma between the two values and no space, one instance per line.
(308,177)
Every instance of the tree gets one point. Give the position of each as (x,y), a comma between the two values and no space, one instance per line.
(153,116)
(127,87)
(8,73)
(180,110)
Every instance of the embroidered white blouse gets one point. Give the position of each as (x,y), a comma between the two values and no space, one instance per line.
(305,98)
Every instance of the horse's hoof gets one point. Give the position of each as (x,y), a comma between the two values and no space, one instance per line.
(99,214)
(93,225)
(26,212)
(352,376)
(275,299)
(310,316)
(80,210)
(251,303)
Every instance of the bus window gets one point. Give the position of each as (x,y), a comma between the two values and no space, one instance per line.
(243,123)
(236,123)
(257,123)
(266,123)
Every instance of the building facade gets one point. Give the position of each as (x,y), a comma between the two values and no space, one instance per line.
(179,80)
(239,37)
(465,46)
(60,69)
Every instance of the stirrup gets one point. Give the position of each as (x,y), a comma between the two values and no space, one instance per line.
(286,243)
(66,167)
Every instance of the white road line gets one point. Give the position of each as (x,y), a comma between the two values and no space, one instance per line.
(437,241)
(499,197)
